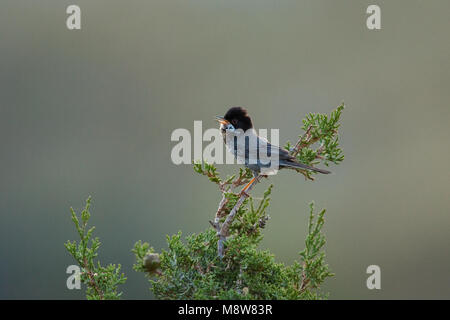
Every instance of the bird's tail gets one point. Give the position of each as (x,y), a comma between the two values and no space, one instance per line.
(293,164)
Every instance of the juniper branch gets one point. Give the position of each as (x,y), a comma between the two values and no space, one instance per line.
(224,229)
(201,268)
(101,281)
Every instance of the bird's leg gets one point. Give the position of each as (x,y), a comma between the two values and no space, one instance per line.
(243,191)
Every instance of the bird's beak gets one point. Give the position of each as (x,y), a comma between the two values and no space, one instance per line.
(222,120)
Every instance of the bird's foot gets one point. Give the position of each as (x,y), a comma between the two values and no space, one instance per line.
(243,193)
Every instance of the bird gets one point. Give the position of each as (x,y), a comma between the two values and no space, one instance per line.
(237,124)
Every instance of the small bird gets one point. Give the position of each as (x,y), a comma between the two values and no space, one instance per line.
(236,123)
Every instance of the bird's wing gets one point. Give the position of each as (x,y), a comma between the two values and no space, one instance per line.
(266,152)
(255,149)
(266,145)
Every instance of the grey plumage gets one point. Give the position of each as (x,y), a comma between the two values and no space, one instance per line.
(243,142)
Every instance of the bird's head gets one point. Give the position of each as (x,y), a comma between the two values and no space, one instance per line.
(235,118)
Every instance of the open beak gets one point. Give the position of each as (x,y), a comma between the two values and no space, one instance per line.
(222,120)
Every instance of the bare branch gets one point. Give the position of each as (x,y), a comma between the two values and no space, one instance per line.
(221,212)
(224,230)
(92,281)
(302,142)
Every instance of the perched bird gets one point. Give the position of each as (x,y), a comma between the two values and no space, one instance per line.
(237,131)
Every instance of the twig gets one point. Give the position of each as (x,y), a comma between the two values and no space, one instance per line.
(240,181)
(199,269)
(224,229)
(219,213)
(319,152)
(305,281)
(92,279)
(302,142)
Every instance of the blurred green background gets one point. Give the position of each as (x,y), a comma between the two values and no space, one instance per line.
(91,112)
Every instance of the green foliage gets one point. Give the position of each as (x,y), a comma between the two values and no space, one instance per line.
(207,170)
(101,282)
(191,269)
(211,172)
(323,130)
